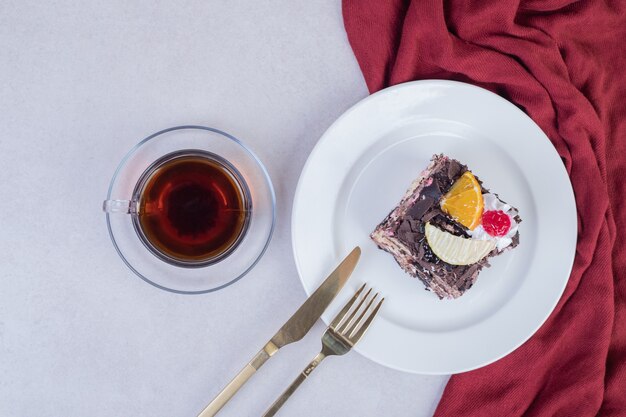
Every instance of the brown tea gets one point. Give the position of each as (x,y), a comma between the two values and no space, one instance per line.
(193,208)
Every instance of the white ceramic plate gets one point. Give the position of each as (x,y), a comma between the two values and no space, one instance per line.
(360,169)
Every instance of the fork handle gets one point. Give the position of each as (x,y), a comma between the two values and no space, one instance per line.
(233,386)
(294,385)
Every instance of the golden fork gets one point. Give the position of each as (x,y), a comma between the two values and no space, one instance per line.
(343,333)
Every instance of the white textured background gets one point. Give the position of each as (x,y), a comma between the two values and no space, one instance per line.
(80,83)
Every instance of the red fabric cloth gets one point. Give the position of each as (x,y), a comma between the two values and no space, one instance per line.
(564,63)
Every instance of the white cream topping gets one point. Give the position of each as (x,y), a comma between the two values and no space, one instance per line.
(493,203)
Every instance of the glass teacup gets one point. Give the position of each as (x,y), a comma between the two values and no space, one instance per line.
(190,209)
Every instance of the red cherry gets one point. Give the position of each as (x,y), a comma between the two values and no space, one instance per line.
(496,222)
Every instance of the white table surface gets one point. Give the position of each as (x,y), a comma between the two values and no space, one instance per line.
(82,82)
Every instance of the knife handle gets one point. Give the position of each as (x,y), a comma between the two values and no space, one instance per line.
(233,386)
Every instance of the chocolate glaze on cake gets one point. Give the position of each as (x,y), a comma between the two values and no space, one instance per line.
(401,233)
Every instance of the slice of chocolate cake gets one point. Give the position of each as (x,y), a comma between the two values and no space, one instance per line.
(446,227)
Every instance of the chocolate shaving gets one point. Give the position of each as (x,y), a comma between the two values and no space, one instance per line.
(466,279)
(432,191)
(420,207)
(416,225)
(405,226)
(454,169)
(430,215)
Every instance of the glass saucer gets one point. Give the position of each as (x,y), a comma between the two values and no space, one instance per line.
(214,276)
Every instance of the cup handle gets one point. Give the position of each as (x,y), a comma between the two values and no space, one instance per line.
(119,206)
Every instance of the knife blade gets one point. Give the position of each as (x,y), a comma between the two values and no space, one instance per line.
(293,330)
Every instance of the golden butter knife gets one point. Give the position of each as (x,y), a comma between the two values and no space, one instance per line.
(293,330)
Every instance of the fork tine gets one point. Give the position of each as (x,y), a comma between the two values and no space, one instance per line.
(366,324)
(348,321)
(346,308)
(355,324)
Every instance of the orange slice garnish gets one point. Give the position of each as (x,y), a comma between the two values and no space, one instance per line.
(464,201)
